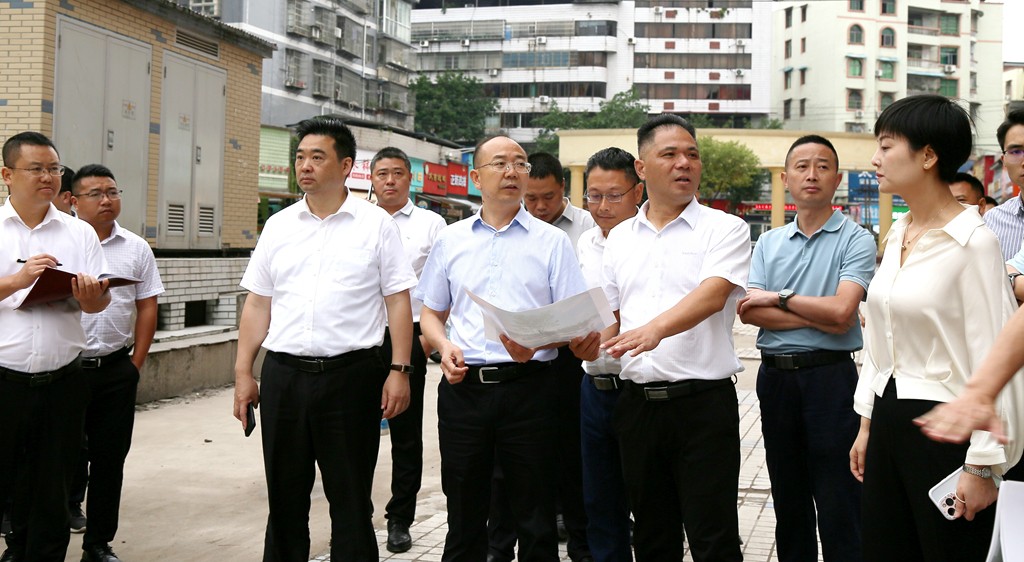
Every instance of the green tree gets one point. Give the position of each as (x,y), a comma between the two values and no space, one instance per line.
(454,107)
(623,111)
(731,171)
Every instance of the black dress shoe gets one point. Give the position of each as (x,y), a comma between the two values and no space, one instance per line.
(398,536)
(99,553)
(9,556)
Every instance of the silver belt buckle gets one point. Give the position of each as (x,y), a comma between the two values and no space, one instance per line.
(480,374)
(785,362)
(656,393)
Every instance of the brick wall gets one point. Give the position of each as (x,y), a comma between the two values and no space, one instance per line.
(214,280)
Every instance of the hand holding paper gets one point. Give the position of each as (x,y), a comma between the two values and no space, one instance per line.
(562,321)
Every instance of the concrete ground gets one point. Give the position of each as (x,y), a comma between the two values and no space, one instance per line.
(194,485)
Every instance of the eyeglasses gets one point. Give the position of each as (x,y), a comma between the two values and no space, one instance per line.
(502,166)
(1014,154)
(97,195)
(595,198)
(40,171)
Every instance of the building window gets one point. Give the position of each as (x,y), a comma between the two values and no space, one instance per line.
(803,107)
(854,67)
(949,24)
(949,87)
(974,83)
(888,37)
(803,76)
(787,79)
(293,69)
(948,55)
(856,5)
(854,100)
(886,70)
(803,13)
(888,7)
(789,48)
(787,107)
(323,77)
(789,17)
(885,99)
(803,44)
(856,35)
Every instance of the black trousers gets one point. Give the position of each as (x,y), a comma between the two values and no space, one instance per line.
(501,533)
(406,431)
(109,421)
(512,423)
(809,425)
(40,435)
(330,420)
(900,521)
(681,464)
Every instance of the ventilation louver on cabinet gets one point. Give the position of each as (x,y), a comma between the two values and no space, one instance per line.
(175,219)
(196,43)
(206,221)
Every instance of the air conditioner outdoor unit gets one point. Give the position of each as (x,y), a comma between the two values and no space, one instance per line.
(740,42)
(949,68)
(631,41)
(315,32)
(878,73)
(544,100)
(542,40)
(494,72)
(424,44)
(739,72)
(465,42)
(858,114)
(658,10)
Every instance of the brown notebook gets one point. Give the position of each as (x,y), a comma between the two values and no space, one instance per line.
(55,285)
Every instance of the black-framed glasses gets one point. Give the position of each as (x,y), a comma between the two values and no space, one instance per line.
(98,195)
(40,171)
(1014,154)
(502,166)
(596,198)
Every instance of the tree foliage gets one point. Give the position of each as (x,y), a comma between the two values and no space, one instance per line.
(623,111)
(731,171)
(454,107)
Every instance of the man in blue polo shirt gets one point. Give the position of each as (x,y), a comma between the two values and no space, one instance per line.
(806,282)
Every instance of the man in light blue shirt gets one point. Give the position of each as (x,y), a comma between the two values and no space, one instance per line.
(497,398)
(806,281)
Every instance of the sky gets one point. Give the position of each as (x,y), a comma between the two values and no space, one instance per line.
(1013,39)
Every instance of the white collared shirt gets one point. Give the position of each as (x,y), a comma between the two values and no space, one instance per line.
(931,321)
(647,272)
(47,336)
(590,251)
(574,222)
(327,279)
(128,255)
(419,229)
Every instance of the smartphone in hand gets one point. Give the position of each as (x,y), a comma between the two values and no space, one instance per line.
(250,420)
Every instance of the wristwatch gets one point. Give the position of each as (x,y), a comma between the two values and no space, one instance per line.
(1013,278)
(784,296)
(983,472)
(407,369)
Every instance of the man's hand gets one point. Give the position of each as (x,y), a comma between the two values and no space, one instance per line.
(519,353)
(954,421)
(395,397)
(587,347)
(90,293)
(977,494)
(246,391)
(838,329)
(33,268)
(859,450)
(757,297)
(644,338)
(453,364)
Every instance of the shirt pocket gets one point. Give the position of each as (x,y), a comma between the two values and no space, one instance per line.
(352,267)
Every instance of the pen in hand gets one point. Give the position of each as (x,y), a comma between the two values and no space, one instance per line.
(26,261)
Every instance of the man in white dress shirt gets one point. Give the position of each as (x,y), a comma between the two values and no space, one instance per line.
(674,273)
(116,349)
(42,390)
(324,274)
(391,177)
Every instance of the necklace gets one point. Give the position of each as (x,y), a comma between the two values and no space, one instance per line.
(924,227)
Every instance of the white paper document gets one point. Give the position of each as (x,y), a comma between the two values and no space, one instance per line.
(1007,541)
(557,322)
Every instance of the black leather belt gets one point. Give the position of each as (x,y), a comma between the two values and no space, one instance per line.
(606,382)
(503,372)
(323,364)
(97,362)
(661,391)
(40,379)
(793,361)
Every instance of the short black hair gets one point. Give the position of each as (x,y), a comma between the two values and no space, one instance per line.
(544,165)
(614,159)
(67,180)
(970,180)
(930,120)
(989,200)
(812,139)
(645,134)
(334,127)
(1015,117)
(391,152)
(12,146)
(91,171)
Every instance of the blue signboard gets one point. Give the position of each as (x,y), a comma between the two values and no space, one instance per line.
(863,188)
